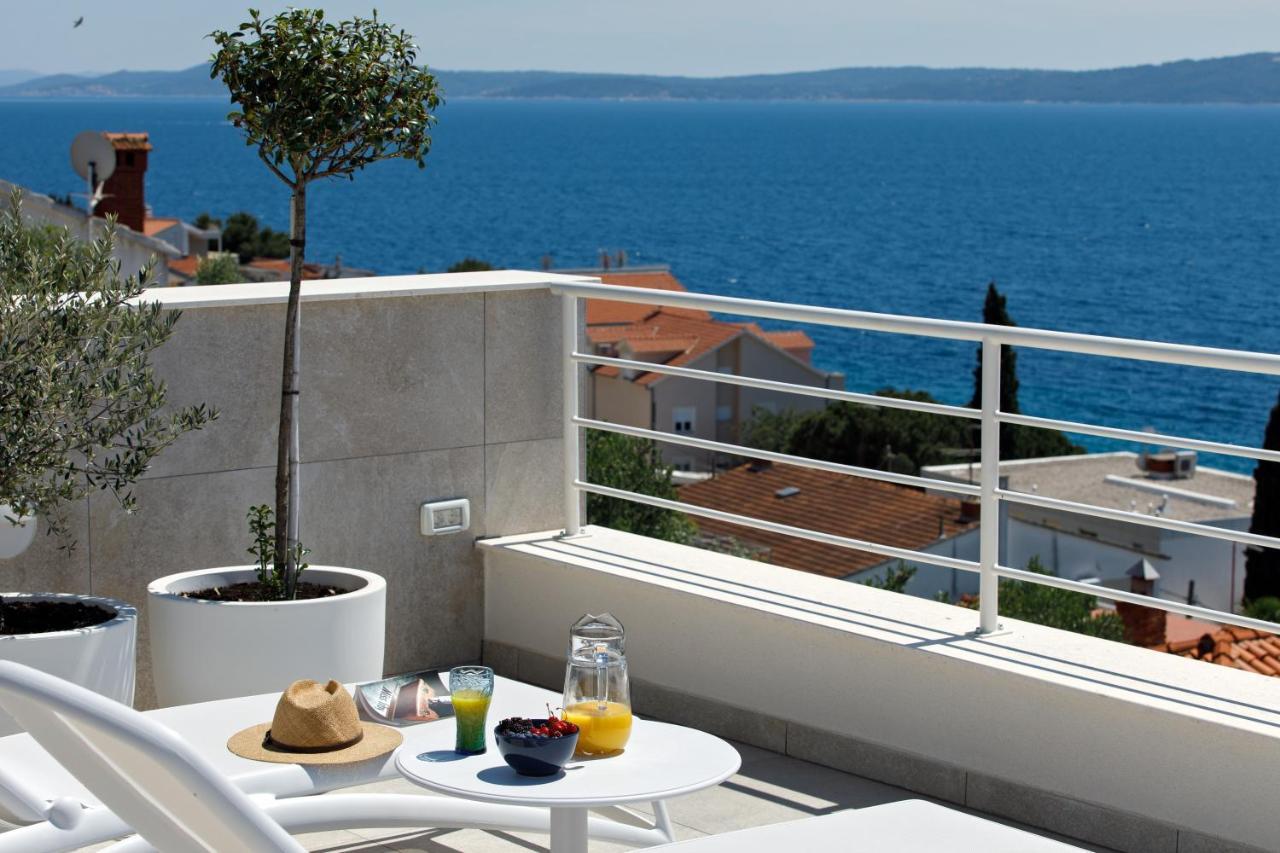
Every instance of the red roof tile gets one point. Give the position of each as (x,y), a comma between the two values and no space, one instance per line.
(153,225)
(129,141)
(832,503)
(1240,648)
(186,265)
(608,312)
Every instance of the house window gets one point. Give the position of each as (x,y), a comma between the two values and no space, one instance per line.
(683,419)
(724,413)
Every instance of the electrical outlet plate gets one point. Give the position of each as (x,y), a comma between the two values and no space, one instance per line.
(440,517)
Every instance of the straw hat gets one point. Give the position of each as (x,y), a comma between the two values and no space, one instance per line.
(314,723)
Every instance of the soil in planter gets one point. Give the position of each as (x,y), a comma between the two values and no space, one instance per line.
(254,591)
(41,617)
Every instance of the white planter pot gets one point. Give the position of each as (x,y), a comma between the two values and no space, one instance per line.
(202,650)
(102,658)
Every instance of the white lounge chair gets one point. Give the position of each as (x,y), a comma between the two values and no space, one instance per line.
(89,770)
(907,826)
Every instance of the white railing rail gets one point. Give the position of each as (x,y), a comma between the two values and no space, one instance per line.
(988,490)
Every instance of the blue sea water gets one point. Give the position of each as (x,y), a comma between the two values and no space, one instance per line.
(1137,221)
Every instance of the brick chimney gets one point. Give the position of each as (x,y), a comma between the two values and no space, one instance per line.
(124,190)
(1143,626)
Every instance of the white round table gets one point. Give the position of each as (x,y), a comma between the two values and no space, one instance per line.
(660,761)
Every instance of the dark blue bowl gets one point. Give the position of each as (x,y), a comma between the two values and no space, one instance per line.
(536,755)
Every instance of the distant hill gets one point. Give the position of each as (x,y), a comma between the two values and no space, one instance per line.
(14,76)
(1249,79)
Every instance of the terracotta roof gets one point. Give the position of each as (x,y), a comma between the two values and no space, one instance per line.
(186,265)
(792,339)
(833,503)
(697,337)
(644,346)
(153,225)
(608,312)
(1240,648)
(281,266)
(129,141)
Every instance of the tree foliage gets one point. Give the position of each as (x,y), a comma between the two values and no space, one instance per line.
(895,578)
(319,99)
(636,465)
(242,235)
(868,436)
(218,269)
(1057,608)
(469,264)
(1262,565)
(81,408)
(322,99)
(1016,441)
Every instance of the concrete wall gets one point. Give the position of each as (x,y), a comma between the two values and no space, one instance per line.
(405,399)
(1112,744)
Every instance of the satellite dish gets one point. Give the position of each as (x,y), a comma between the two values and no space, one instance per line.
(93,156)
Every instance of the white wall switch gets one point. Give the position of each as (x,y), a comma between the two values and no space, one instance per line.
(439,517)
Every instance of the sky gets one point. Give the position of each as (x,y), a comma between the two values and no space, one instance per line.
(693,37)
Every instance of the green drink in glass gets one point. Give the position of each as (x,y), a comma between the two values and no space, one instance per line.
(471,688)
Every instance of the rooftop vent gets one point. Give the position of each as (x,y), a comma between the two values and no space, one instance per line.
(786,492)
(1168,464)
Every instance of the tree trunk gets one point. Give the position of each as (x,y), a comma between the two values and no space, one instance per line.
(287,497)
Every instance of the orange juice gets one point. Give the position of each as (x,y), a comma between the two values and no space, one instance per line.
(470,707)
(604,730)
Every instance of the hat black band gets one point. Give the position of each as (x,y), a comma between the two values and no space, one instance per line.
(277,746)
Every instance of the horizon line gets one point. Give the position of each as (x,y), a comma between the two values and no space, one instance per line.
(720,76)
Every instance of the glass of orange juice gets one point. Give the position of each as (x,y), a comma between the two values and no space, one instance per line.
(471,688)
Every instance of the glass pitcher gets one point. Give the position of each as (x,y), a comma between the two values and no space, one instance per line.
(597,694)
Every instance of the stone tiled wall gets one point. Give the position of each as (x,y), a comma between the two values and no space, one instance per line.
(405,399)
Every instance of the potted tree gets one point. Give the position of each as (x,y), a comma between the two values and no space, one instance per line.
(80,411)
(318,100)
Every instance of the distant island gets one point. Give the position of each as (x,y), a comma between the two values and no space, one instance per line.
(1247,79)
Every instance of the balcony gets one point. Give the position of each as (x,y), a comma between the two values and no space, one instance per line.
(841,695)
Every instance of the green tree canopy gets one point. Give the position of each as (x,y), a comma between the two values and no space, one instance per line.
(81,408)
(1057,608)
(868,436)
(1262,565)
(634,464)
(218,269)
(243,236)
(469,264)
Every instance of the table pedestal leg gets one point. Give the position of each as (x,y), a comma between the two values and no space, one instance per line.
(568,831)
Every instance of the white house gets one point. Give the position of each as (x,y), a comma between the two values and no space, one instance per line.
(133,249)
(1198,569)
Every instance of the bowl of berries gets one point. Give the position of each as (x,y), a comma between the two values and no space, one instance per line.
(536,747)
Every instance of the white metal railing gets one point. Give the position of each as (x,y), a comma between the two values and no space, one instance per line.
(988,490)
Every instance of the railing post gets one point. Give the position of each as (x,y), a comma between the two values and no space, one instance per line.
(989,532)
(570,334)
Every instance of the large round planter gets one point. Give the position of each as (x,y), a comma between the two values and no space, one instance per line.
(102,657)
(203,650)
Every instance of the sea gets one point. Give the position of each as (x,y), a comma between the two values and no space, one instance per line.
(1155,222)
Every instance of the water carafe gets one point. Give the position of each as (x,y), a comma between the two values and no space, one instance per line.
(597,694)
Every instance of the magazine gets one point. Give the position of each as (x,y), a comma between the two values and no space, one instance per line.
(405,700)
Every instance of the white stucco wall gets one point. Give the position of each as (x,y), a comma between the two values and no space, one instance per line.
(132,250)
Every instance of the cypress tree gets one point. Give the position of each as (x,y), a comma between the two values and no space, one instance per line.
(1262,565)
(995,312)
(1016,442)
